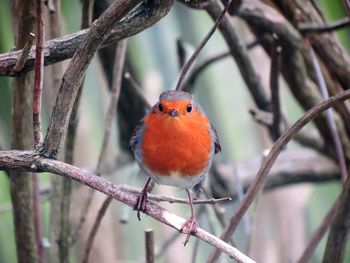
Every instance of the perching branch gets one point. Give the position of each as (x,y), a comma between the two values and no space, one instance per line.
(31,161)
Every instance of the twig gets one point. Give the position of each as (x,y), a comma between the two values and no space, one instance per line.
(30,161)
(137,89)
(149,245)
(200,67)
(24,54)
(275,128)
(190,61)
(330,116)
(318,234)
(347,6)
(268,162)
(181,52)
(172,200)
(316,28)
(39,72)
(95,227)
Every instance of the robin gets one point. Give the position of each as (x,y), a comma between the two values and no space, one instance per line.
(174,144)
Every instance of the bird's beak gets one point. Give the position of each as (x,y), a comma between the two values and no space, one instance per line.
(173,113)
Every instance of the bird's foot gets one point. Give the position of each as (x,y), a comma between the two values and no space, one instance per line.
(189,228)
(141,203)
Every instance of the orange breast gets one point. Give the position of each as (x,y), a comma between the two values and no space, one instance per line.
(179,144)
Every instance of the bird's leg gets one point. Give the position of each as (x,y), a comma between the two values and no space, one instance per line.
(190,225)
(142,198)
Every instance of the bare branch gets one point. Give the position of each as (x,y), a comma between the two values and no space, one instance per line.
(275,128)
(198,49)
(95,227)
(171,200)
(24,54)
(316,28)
(330,116)
(30,161)
(149,245)
(39,74)
(59,49)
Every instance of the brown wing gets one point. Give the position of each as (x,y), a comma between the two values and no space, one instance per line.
(216,140)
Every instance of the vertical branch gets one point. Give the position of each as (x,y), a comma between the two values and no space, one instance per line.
(347,6)
(149,245)
(330,116)
(37,133)
(56,194)
(21,186)
(65,229)
(274,86)
(318,234)
(39,71)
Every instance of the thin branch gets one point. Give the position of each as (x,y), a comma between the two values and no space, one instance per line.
(190,61)
(201,66)
(149,245)
(39,73)
(347,6)
(275,128)
(330,116)
(59,49)
(66,235)
(95,227)
(30,161)
(318,234)
(137,89)
(24,54)
(317,28)
(268,162)
(172,200)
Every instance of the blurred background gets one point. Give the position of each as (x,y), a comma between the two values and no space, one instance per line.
(281,220)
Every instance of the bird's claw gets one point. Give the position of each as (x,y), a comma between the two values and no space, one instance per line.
(141,203)
(189,228)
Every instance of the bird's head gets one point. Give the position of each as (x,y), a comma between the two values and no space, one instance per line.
(175,103)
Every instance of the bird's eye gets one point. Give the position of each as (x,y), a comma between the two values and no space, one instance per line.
(160,107)
(189,108)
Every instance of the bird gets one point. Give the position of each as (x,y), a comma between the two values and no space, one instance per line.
(174,144)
